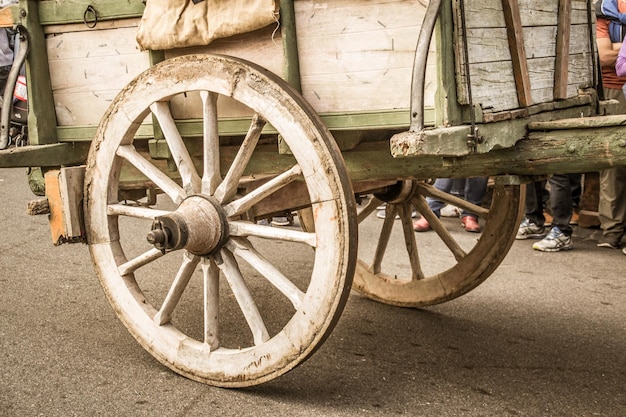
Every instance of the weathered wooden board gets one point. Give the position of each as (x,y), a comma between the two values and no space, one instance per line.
(352,59)
(357,55)
(491,71)
(88,68)
(263,47)
(488,13)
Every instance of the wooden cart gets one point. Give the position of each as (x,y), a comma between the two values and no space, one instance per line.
(180,157)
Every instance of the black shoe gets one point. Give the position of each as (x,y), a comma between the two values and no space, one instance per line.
(609,241)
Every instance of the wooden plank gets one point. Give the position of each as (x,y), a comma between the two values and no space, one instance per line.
(73,11)
(38,206)
(515,35)
(291,71)
(263,47)
(53,193)
(500,132)
(71,182)
(562,50)
(358,56)
(41,120)
(78,78)
(494,85)
(539,154)
(448,98)
(589,201)
(64,192)
(491,44)
(44,155)
(534,13)
(493,82)
(80,27)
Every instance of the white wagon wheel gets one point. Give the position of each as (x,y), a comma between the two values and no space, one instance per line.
(470,262)
(205,318)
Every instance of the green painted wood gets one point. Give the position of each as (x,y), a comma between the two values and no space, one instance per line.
(41,115)
(51,155)
(290,44)
(448,112)
(453,140)
(561,151)
(155,58)
(542,153)
(75,11)
(391,119)
(87,133)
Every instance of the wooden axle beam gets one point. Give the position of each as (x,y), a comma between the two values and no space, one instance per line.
(572,150)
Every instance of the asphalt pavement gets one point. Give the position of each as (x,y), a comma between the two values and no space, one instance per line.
(545,335)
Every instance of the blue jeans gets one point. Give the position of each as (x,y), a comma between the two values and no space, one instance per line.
(473,190)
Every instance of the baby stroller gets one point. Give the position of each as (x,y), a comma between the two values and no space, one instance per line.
(18,132)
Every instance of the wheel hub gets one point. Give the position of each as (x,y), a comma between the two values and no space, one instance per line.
(400,192)
(198,225)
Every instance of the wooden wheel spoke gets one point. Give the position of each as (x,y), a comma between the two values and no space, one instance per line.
(165,183)
(138,212)
(227,189)
(228,264)
(431,191)
(211,143)
(180,154)
(436,224)
(211,277)
(383,238)
(369,208)
(246,251)
(245,229)
(245,203)
(139,261)
(405,211)
(176,290)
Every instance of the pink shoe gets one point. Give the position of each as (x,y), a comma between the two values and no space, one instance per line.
(470,224)
(421,225)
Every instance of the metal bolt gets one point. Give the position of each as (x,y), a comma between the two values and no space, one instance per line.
(157,236)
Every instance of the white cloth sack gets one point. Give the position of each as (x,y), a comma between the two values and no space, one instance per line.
(168,24)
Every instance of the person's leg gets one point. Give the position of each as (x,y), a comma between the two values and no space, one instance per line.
(4,75)
(612,204)
(560,236)
(533,225)
(475,189)
(442,184)
(457,188)
(577,189)
(561,201)
(534,202)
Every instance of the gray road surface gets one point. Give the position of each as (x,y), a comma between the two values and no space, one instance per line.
(545,335)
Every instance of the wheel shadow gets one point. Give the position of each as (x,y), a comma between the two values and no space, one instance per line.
(472,355)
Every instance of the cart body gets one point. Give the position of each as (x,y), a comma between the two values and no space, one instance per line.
(238,130)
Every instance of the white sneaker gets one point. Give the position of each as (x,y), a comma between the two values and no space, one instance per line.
(555,241)
(381,214)
(450,211)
